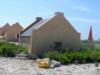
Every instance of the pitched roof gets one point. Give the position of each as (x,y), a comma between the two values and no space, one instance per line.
(36,21)
(31,28)
(38,24)
(5,28)
(35,25)
(15,27)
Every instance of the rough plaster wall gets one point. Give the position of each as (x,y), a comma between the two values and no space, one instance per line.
(57,30)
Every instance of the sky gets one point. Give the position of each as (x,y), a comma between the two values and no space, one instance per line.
(80,13)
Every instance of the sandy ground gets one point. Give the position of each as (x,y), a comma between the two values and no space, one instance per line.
(12,66)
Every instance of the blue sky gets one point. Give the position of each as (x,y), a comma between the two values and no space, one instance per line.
(81,13)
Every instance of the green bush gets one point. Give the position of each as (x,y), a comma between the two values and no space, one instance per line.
(89,55)
(21,48)
(57,56)
(10,49)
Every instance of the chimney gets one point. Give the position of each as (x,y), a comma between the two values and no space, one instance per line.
(59,13)
(38,18)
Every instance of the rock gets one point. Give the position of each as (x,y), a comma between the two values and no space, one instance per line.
(55,63)
(52,66)
(22,55)
(47,63)
(43,63)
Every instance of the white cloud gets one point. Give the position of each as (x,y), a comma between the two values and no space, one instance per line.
(85,20)
(82,8)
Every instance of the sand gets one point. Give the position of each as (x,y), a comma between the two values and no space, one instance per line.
(13,66)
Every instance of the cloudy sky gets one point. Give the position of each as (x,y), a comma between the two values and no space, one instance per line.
(81,13)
